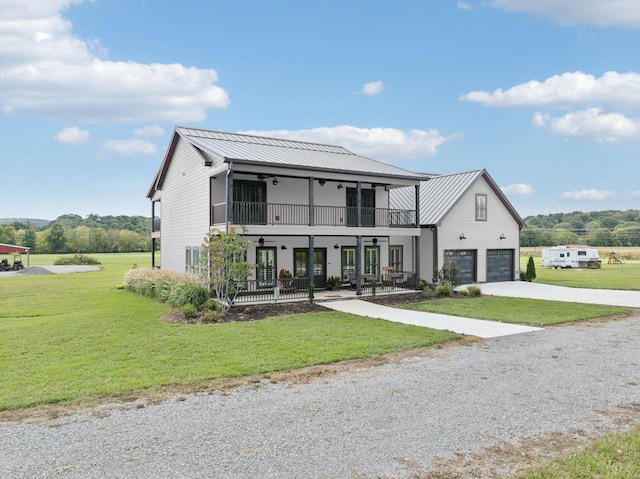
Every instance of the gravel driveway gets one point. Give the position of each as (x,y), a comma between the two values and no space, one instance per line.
(393,420)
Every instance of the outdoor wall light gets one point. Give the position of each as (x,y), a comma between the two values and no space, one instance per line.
(283,247)
(340,186)
(335,246)
(322,182)
(502,236)
(261,241)
(462,236)
(374,241)
(275,181)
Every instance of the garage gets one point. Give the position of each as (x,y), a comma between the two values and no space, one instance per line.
(499,265)
(465,259)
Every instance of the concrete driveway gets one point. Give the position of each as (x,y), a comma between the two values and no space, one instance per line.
(524,289)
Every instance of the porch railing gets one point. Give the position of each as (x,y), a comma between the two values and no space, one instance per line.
(297,289)
(250,213)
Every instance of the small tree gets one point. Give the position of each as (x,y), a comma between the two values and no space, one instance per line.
(224,257)
(530,273)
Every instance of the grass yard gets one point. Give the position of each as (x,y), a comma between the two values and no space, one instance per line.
(610,276)
(518,310)
(71,336)
(612,457)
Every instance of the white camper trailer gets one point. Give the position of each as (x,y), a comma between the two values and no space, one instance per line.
(571,256)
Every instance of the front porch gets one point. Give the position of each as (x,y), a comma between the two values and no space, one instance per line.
(297,289)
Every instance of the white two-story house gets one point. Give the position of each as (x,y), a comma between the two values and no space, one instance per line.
(315,210)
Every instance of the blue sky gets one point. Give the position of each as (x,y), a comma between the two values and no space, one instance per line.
(544,94)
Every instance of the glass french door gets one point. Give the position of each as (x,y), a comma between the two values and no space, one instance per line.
(266,266)
(368,207)
(301,265)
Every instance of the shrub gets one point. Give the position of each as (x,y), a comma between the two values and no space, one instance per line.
(333,283)
(464,292)
(474,290)
(530,273)
(76,259)
(210,316)
(444,289)
(166,286)
(211,305)
(189,311)
(188,293)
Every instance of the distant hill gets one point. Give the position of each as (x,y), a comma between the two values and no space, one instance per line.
(37,222)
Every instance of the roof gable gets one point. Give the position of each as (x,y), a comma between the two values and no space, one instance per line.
(440,194)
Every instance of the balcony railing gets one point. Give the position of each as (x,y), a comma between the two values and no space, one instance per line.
(248,213)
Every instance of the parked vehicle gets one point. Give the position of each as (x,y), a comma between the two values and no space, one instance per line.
(571,256)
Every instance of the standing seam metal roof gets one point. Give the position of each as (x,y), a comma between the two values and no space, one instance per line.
(272,151)
(437,195)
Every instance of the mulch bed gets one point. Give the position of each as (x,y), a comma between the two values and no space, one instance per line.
(255,312)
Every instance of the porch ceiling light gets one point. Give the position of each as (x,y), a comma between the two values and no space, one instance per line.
(462,236)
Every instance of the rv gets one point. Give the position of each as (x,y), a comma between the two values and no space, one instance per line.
(571,256)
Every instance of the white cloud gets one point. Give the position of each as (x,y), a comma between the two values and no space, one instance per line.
(47,72)
(519,190)
(611,90)
(372,88)
(467,7)
(592,124)
(387,144)
(601,13)
(591,194)
(128,147)
(73,135)
(151,131)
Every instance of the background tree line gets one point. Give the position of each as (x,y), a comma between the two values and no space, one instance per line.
(73,234)
(596,228)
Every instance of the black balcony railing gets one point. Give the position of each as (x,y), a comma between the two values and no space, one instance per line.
(248,213)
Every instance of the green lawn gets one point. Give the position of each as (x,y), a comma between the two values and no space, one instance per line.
(612,457)
(517,310)
(610,276)
(71,336)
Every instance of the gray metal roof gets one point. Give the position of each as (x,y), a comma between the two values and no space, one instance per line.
(440,194)
(278,152)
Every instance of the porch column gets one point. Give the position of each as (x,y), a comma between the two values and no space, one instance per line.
(153,240)
(358,260)
(310,261)
(312,220)
(417,238)
(417,261)
(229,195)
(359,204)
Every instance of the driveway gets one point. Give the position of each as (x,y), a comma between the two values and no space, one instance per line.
(524,289)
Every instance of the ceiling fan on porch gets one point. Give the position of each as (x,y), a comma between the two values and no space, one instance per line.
(375,240)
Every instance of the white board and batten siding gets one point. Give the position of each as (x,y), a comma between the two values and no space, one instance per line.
(185,206)
(480,235)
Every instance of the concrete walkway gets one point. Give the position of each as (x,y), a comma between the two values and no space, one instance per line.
(467,326)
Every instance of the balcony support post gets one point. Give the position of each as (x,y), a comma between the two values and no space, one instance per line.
(310,261)
(359,204)
(229,215)
(358,265)
(311,208)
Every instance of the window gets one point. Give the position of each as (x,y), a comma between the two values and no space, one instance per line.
(395,258)
(372,260)
(266,266)
(192,259)
(348,262)
(481,207)
(187,259)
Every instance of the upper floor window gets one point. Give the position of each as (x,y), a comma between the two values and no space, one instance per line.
(481,207)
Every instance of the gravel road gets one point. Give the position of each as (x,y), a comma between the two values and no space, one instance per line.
(395,420)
